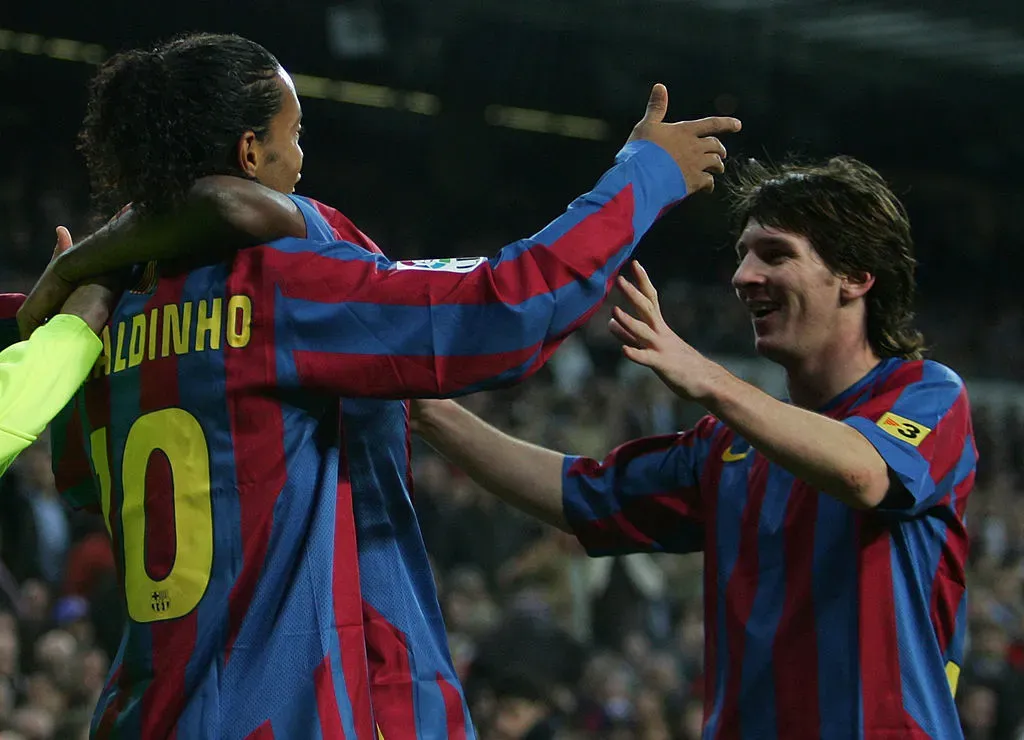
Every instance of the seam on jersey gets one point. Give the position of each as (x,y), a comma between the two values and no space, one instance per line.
(30,438)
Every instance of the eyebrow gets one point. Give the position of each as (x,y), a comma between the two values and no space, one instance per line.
(767,241)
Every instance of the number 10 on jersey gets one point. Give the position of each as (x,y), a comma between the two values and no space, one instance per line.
(177,434)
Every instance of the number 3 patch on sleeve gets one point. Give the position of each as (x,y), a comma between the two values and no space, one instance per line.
(905,429)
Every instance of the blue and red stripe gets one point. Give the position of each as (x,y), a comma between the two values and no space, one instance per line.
(715,646)
(794,651)
(173,641)
(349,609)
(740,590)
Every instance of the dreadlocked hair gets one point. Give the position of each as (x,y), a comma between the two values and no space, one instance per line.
(158,120)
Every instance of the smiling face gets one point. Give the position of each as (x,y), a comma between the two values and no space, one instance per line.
(798,306)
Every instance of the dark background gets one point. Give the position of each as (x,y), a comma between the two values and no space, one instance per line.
(931,97)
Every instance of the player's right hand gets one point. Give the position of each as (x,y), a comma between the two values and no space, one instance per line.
(694,145)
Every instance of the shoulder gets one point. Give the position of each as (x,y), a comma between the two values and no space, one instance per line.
(923,390)
(338,226)
(710,429)
(317,227)
(929,373)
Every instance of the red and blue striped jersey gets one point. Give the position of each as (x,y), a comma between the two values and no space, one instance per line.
(821,621)
(255,479)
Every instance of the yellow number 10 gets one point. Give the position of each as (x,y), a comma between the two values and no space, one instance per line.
(179,436)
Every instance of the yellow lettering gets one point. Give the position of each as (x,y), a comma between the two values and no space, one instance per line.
(239,321)
(137,344)
(119,362)
(103,361)
(208,323)
(151,354)
(177,330)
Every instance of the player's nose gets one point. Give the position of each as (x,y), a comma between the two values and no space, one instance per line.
(747,275)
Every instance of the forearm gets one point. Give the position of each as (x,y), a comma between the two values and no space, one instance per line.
(827,454)
(524,475)
(222,213)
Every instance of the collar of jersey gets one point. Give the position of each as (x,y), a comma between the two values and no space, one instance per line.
(882,369)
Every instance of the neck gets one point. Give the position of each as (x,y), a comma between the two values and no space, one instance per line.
(814,381)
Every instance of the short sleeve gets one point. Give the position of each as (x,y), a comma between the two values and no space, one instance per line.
(644,497)
(921,426)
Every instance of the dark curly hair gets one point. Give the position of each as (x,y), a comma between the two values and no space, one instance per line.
(158,120)
(854,222)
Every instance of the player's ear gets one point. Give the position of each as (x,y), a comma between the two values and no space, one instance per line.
(248,154)
(855,285)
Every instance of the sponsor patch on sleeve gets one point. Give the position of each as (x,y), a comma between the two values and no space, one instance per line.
(902,428)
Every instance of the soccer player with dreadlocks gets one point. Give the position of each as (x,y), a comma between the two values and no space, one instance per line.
(237,434)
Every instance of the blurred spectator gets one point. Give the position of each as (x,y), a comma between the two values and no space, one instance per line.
(49,520)
(523,711)
(978,712)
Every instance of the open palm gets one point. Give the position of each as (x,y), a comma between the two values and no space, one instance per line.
(648,340)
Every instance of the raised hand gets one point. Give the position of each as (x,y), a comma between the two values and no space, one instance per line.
(50,291)
(694,145)
(92,301)
(649,341)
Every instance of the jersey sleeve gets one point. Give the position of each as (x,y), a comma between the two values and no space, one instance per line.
(644,497)
(921,426)
(38,377)
(350,321)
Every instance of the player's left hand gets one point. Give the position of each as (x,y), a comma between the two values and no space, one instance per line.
(649,341)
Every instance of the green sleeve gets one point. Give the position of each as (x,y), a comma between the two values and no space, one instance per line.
(38,377)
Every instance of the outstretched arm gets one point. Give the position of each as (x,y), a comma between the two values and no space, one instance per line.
(643,497)
(524,475)
(223,213)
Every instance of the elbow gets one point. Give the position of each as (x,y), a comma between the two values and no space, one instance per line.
(865,488)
